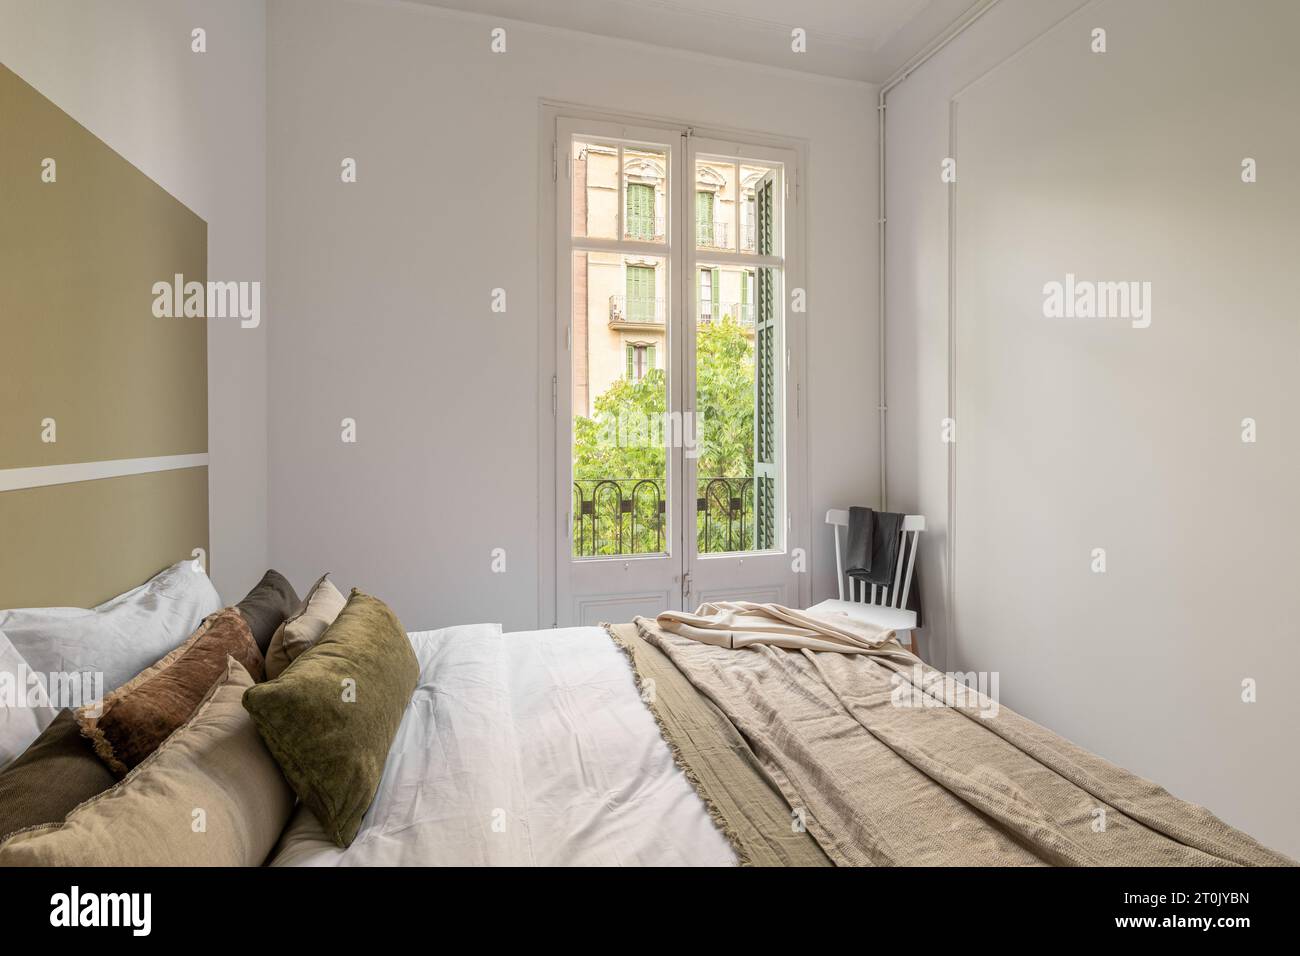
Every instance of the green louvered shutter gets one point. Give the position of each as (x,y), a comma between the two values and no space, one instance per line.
(703,218)
(716,286)
(765,373)
(640,211)
(650,358)
(631,358)
(744,298)
(640,293)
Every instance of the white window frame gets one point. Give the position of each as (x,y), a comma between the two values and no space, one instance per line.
(552,156)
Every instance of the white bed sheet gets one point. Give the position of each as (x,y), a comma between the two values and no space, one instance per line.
(529,748)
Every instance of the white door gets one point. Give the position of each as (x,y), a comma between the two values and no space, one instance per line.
(619,540)
(741,378)
(676,409)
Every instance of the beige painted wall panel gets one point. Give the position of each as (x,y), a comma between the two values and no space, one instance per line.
(78,336)
(85,542)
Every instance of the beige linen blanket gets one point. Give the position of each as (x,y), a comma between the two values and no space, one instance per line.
(886,762)
(739,624)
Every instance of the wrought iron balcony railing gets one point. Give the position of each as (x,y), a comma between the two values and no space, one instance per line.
(739,312)
(618,516)
(712,235)
(645,228)
(636,311)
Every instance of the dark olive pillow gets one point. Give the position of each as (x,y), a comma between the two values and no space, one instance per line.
(330,718)
(130,723)
(267,605)
(56,774)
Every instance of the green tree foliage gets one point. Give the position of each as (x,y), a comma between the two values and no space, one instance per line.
(624,439)
(725,399)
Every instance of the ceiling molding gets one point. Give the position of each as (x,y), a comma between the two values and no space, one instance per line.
(847,39)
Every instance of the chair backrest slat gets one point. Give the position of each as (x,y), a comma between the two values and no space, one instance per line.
(911,562)
(897,589)
(839,563)
(859,591)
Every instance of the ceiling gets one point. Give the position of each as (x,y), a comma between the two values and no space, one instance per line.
(852,39)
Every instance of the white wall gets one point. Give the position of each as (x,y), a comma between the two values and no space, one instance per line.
(1074,435)
(196,125)
(382,287)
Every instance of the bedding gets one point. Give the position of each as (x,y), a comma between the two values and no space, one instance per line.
(742,799)
(55,774)
(130,722)
(742,624)
(330,719)
(741,733)
(303,628)
(120,637)
(266,606)
(530,748)
(25,708)
(890,765)
(211,795)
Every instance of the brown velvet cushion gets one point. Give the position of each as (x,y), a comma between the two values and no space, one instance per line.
(267,605)
(143,712)
(46,781)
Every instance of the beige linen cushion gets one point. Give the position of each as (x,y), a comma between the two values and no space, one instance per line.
(304,627)
(210,795)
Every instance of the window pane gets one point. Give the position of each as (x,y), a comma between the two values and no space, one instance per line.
(715,204)
(645,193)
(595,190)
(736,408)
(620,395)
(739,396)
(750,176)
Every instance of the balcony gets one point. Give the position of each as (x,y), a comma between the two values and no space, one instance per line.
(620,516)
(712,235)
(717,235)
(741,313)
(636,313)
(645,228)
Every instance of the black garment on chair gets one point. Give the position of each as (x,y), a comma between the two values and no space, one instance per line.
(871,553)
(857,550)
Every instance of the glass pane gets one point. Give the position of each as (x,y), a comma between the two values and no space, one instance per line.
(730,395)
(645,193)
(595,190)
(715,204)
(750,176)
(620,396)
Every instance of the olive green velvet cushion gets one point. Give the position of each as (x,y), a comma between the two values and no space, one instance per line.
(330,718)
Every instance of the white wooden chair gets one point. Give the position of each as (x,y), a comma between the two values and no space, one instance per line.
(883,606)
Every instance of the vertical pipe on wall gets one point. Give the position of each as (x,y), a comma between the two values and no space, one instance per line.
(881,406)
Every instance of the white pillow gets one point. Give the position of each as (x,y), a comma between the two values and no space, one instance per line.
(122,636)
(24,706)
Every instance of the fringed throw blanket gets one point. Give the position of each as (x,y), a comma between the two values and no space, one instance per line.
(885,762)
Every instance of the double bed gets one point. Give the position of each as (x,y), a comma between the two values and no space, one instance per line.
(318,732)
(531,748)
(633,745)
